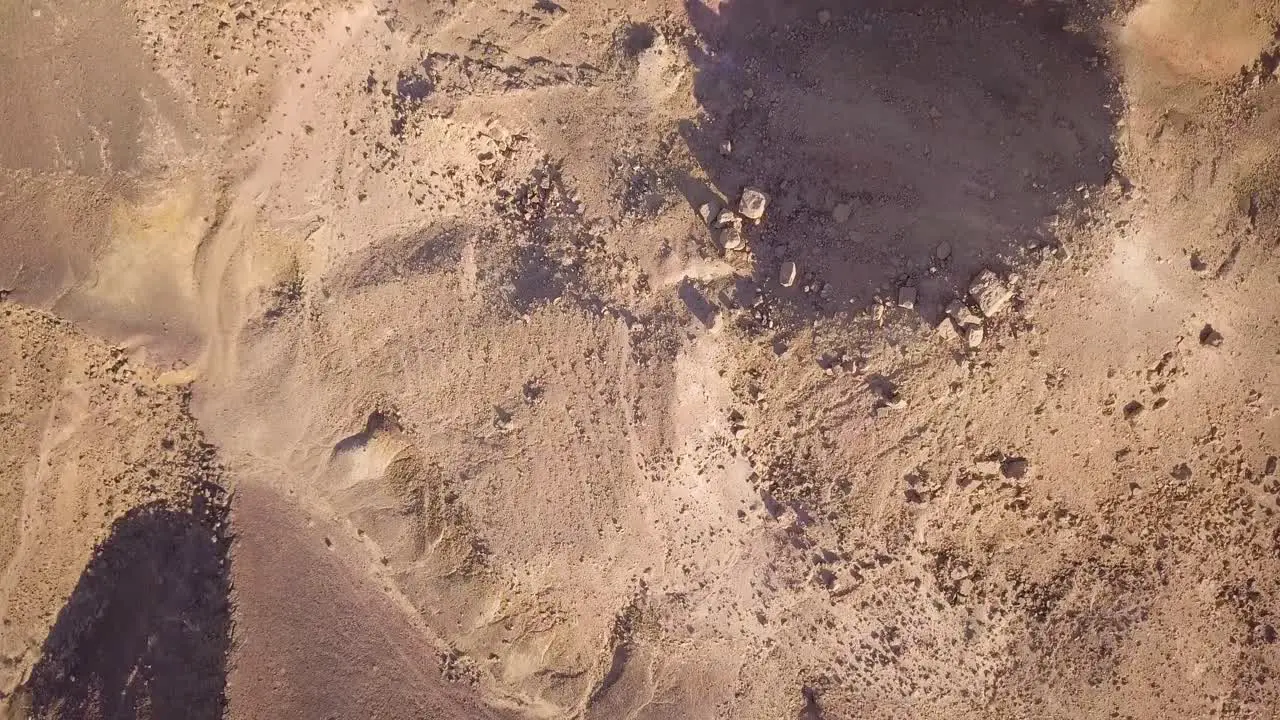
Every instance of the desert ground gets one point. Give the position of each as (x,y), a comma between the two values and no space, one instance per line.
(591,360)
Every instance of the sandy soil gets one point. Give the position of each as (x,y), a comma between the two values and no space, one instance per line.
(373,359)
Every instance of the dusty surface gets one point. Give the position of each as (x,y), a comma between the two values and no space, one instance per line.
(373,360)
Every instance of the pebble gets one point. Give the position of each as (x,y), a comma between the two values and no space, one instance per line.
(752,203)
(726,147)
(788,274)
(943,251)
(824,17)
(841,212)
(991,294)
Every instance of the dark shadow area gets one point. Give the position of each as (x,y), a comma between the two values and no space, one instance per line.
(146,632)
(697,304)
(430,249)
(904,143)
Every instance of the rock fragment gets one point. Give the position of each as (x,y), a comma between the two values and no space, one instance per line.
(943,251)
(788,274)
(730,237)
(974,335)
(895,402)
(987,467)
(1133,409)
(1014,468)
(708,212)
(752,203)
(824,17)
(1210,337)
(990,292)
(907,296)
(841,212)
(948,332)
(963,316)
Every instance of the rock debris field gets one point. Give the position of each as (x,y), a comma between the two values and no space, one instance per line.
(651,360)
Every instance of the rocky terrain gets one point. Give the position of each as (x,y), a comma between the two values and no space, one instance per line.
(723,359)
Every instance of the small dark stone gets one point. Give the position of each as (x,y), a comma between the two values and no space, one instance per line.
(1133,409)
(1211,337)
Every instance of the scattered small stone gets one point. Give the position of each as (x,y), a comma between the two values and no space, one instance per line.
(907,296)
(963,316)
(752,203)
(943,250)
(726,147)
(788,274)
(990,293)
(824,17)
(1210,337)
(974,336)
(726,218)
(841,212)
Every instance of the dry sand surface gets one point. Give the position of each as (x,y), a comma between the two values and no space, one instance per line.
(375,359)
